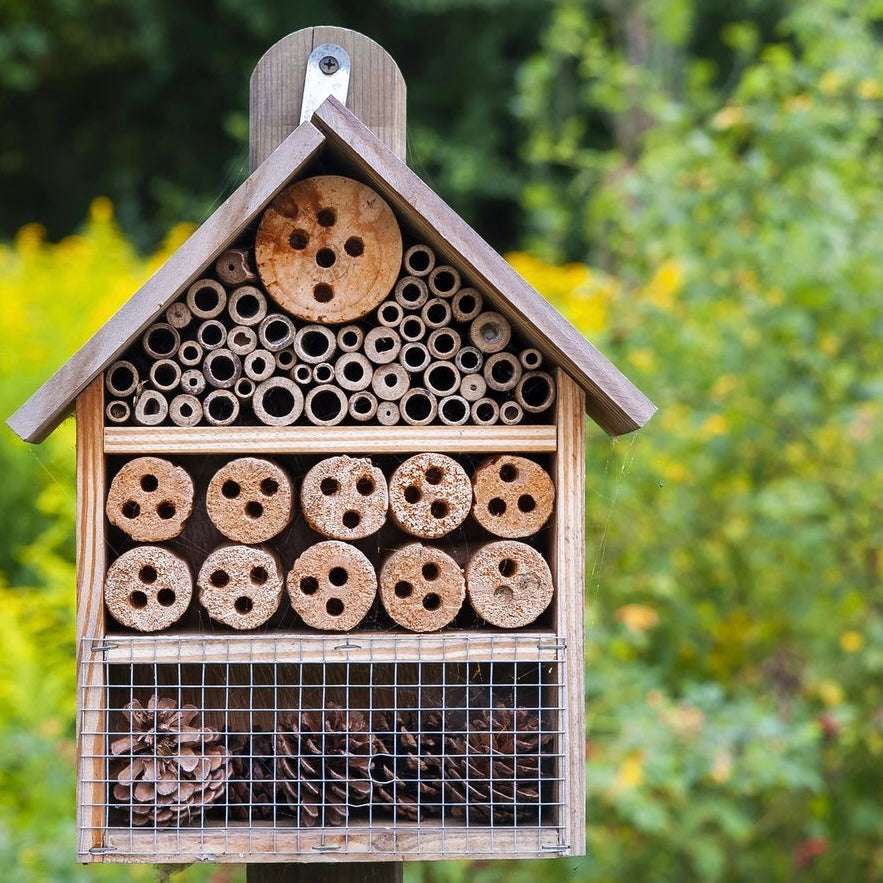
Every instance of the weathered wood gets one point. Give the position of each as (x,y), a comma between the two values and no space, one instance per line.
(131,440)
(376,92)
(612,400)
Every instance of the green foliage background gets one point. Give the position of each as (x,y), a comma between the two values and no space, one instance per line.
(714,180)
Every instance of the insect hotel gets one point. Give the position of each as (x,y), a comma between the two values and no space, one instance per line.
(330,519)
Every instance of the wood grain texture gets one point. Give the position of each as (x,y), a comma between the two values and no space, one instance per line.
(45,409)
(376,90)
(91,566)
(568,572)
(612,400)
(259,440)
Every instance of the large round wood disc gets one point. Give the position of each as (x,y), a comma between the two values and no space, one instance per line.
(328,249)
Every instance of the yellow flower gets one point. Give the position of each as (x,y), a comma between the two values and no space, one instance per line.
(667,281)
(715,425)
(101,210)
(630,772)
(868,89)
(637,617)
(851,641)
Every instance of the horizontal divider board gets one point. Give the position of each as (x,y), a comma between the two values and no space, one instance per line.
(328,439)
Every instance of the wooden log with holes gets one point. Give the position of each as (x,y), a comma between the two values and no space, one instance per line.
(429,495)
(514,496)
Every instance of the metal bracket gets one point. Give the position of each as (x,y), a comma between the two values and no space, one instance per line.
(328,73)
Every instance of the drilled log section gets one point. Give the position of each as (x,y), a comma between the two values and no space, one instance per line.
(220,408)
(467,304)
(233,267)
(531,358)
(509,584)
(388,413)
(118,411)
(469,360)
(353,372)
(301,374)
(511,413)
(249,500)
(514,496)
(344,498)
(473,387)
(421,587)
(453,410)
(193,381)
(161,341)
(350,338)
(285,359)
(259,365)
(535,392)
(419,260)
(444,343)
(363,406)
(411,293)
(390,382)
(332,586)
(485,412)
(441,378)
(244,388)
(490,332)
(151,408)
(412,329)
(247,305)
(185,410)
(276,332)
(502,371)
(382,345)
(277,401)
(444,281)
(390,314)
(323,372)
(326,404)
(314,344)
(436,313)
(178,315)
(211,334)
(190,353)
(222,368)
(240,586)
(418,407)
(242,340)
(150,499)
(328,249)
(206,299)
(429,495)
(121,379)
(148,588)
(414,357)
(165,375)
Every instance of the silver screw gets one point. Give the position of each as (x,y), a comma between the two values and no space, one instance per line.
(329,65)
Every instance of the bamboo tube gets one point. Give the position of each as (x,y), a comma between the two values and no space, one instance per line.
(511,413)
(353,372)
(390,382)
(323,372)
(390,314)
(469,360)
(222,368)
(382,345)
(242,340)
(250,500)
(453,410)
(436,313)
(429,495)
(314,344)
(467,304)
(211,334)
(502,371)
(350,338)
(441,378)
(485,412)
(165,375)
(473,387)
(418,407)
(259,365)
(121,379)
(490,332)
(410,293)
(535,392)
(332,586)
(193,382)
(285,359)
(161,341)
(344,498)
(190,353)
(244,388)
(148,588)
(326,405)
(412,329)
(206,299)
(247,305)
(444,343)
(388,414)
(220,407)
(178,315)
(233,267)
(151,408)
(444,281)
(118,411)
(421,587)
(509,584)
(531,358)
(276,332)
(513,496)
(363,406)
(150,499)
(301,374)
(185,410)
(419,260)
(240,586)
(414,357)
(277,401)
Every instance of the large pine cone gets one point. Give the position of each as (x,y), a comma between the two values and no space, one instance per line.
(167,767)
(408,773)
(252,787)
(493,767)
(324,764)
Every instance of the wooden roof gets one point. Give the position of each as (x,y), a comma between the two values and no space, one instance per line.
(611,399)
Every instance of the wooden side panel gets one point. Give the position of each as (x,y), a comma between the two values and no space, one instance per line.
(568,569)
(91,564)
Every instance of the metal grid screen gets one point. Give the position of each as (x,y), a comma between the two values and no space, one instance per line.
(333,750)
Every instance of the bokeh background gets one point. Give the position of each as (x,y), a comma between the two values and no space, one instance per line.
(696,185)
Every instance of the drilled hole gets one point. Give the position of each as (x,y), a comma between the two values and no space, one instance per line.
(419,407)
(535,391)
(186,410)
(526,503)
(122,378)
(278,401)
(419,260)
(211,335)
(323,293)
(354,246)
(130,509)
(362,405)
(445,281)
(467,303)
(269,486)
(299,240)
(166,597)
(444,343)
(349,338)
(223,368)
(259,575)
(323,373)
(415,357)
(325,257)
(329,486)
(205,299)
(118,410)
(221,408)
(243,605)
(285,358)
(430,571)
(166,510)
(259,365)
(334,606)
(503,371)
(390,380)
(384,344)
(353,371)
(411,328)
(503,594)
(437,314)
(338,576)
(253,509)
(431,601)
(434,475)
(138,600)
(443,378)
(389,313)
(149,483)
(309,585)
(219,579)
(439,509)
(327,217)
(365,486)
(508,472)
(469,360)
(508,567)
(247,306)
(403,589)
(510,412)
(484,411)
(302,373)
(411,293)
(147,574)
(531,360)
(161,341)
(351,519)
(189,352)
(496,506)
(412,494)
(152,407)
(454,410)
(230,489)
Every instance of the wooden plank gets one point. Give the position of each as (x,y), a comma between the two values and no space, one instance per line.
(568,564)
(45,409)
(91,564)
(376,95)
(612,400)
(328,440)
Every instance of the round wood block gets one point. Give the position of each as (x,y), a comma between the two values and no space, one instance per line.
(328,249)
(513,496)
(422,588)
(332,585)
(429,495)
(509,583)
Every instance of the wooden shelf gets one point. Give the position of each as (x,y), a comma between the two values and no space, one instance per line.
(262,440)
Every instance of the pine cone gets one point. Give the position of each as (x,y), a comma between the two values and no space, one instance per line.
(166,768)
(252,787)
(493,767)
(408,773)
(324,763)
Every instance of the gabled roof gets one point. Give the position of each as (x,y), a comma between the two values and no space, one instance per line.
(611,399)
